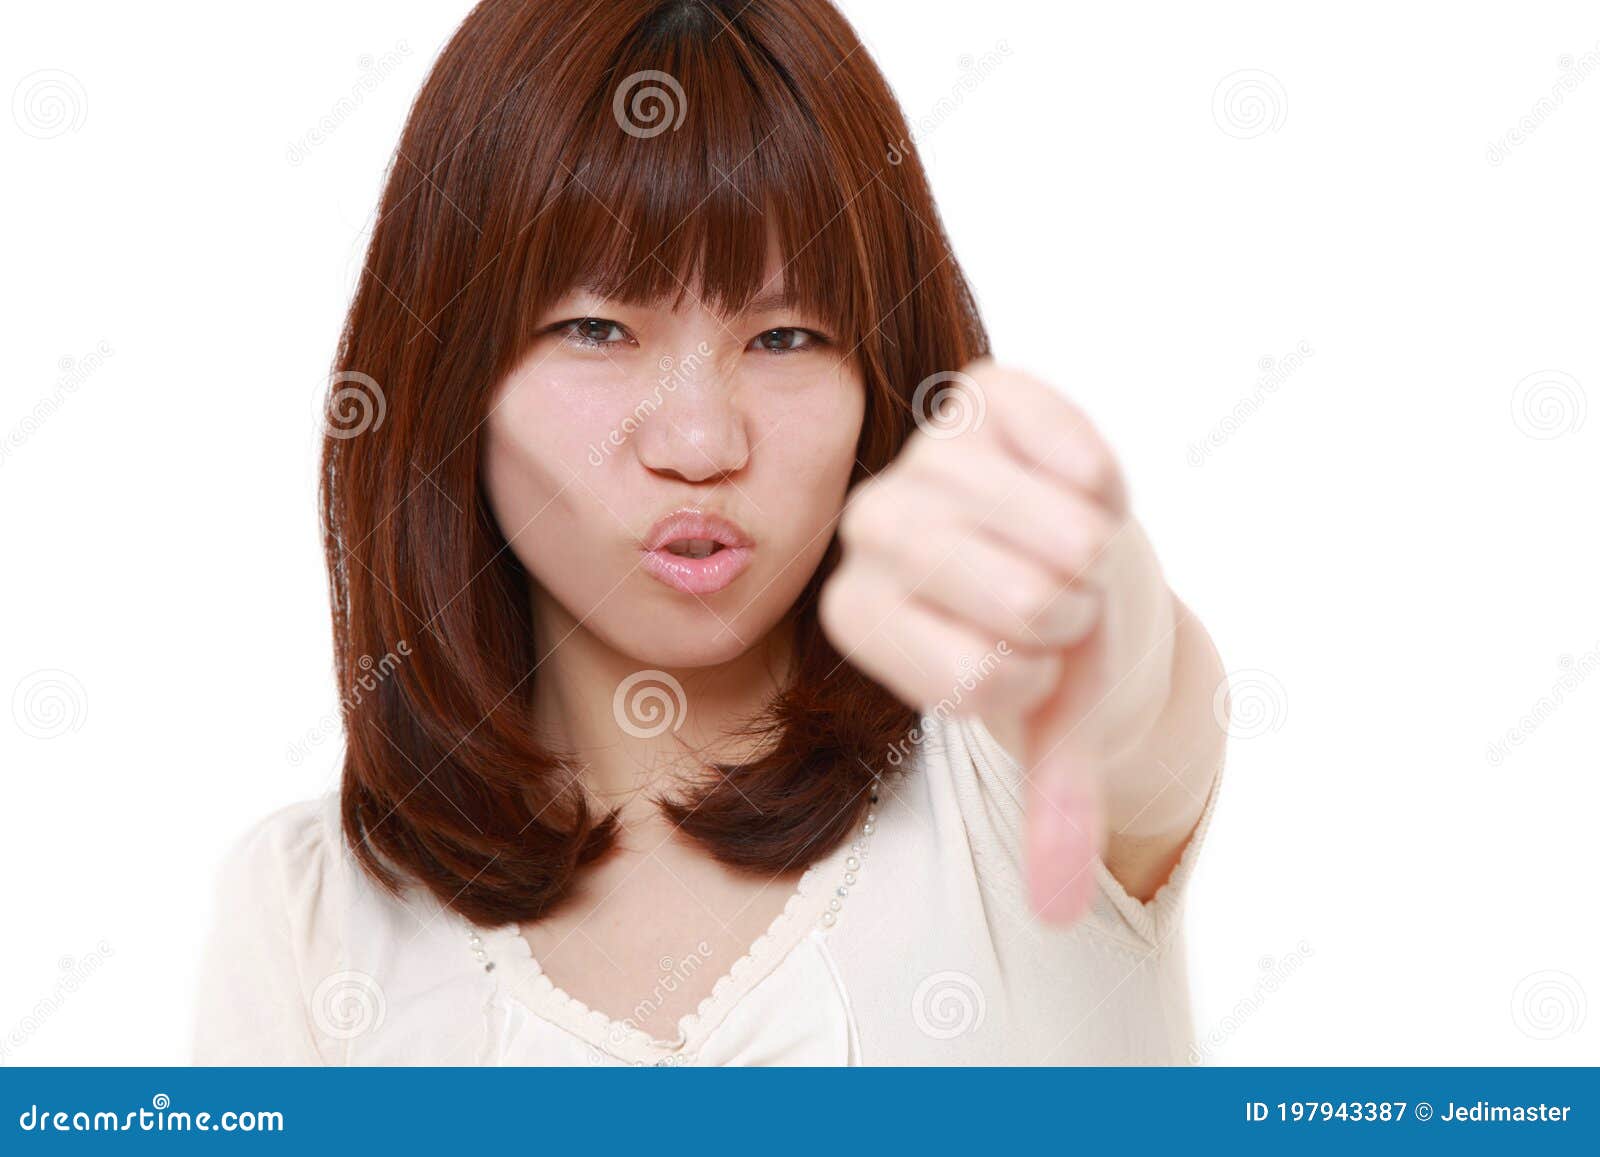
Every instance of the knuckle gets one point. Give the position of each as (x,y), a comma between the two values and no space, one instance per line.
(1095,534)
(986,695)
(1021,679)
(833,603)
(1103,472)
(922,453)
(1027,597)
(861,513)
(984,367)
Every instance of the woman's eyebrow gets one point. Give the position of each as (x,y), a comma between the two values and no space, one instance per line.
(771,302)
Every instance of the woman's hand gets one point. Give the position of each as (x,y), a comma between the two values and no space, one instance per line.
(997,551)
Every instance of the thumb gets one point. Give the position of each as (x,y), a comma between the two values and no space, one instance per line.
(1065,827)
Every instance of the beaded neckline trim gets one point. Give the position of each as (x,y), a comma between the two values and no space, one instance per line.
(506,944)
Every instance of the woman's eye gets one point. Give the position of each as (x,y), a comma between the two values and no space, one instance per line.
(788,339)
(594,331)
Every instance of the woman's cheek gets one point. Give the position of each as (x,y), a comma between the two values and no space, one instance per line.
(534,447)
(819,424)
(559,423)
(826,456)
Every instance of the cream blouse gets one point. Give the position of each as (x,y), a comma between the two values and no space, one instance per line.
(911,944)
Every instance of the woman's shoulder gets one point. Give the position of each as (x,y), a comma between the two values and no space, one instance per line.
(302,939)
(281,881)
(292,851)
(270,935)
(295,861)
(963,760)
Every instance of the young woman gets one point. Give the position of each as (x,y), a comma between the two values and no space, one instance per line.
(738,665)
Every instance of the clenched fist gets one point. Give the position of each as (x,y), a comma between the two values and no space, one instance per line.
(1002,531)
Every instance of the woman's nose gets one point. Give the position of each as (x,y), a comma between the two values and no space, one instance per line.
(697,432)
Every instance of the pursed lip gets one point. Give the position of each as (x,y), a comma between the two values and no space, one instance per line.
(696,576)
(693,523)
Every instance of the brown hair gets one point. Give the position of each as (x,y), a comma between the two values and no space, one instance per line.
(631,145)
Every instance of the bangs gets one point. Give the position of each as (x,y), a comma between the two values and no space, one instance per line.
(690,157)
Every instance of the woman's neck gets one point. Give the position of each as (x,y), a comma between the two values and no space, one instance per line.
(636,729)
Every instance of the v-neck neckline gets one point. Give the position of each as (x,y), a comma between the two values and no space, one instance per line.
(817,892)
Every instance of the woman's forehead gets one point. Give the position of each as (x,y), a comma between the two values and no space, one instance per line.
(775,297)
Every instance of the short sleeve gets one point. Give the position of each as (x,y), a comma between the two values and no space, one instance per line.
(268,935)
(997,789)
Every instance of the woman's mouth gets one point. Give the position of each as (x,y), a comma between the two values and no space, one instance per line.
(694,547)
(695,551)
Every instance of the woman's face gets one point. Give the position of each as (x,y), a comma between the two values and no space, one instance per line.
(620,417)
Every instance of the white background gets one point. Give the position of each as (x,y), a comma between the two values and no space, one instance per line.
(1395,546)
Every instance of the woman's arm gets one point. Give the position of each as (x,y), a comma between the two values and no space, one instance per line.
(1010,536)
(1156,788)
(251,1005)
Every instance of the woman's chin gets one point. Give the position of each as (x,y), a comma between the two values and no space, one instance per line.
(687,638)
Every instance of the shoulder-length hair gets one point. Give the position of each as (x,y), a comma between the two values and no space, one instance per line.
(634,146)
